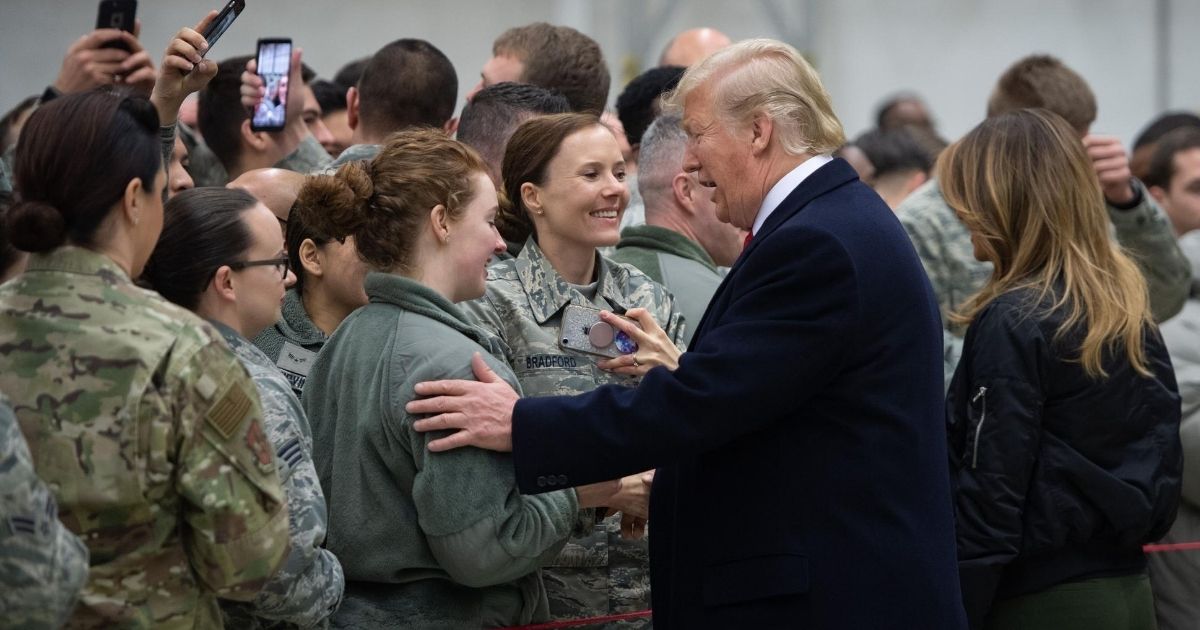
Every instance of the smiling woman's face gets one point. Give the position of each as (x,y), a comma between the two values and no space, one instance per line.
(584,195)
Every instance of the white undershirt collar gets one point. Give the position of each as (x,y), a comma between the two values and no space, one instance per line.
(785,186)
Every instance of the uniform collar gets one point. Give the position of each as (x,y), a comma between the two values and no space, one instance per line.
(663,239)
(412,296)
(72,259)
(296,323)
(548,292)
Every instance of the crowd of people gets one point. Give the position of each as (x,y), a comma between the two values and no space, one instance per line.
(323,376)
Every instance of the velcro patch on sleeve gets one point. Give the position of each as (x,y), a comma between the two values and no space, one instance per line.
(227,415)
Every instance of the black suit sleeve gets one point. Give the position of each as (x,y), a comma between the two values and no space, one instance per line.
(786,321)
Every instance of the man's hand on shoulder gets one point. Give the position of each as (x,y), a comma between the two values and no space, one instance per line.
(480,412)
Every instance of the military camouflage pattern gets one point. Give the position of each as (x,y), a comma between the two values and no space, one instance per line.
(352,153)
(308,587)
(150,434)
(598,572)
(309,157)
(42,564)
(944,246)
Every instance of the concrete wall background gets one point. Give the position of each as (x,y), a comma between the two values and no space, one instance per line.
(950,51)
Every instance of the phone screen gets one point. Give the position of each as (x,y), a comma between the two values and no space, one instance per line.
(274,64)
(221,24)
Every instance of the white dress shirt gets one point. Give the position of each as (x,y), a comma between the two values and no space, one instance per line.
(785,186)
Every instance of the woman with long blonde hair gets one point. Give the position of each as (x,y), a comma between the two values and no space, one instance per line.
(1063,415)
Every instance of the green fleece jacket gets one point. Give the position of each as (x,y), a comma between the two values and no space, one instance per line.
(427,540)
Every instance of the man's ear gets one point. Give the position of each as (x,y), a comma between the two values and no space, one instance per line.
(684,188)
(450,127)
(310,258)
(761,130)
(1159,194)
(352,108)
(256,141)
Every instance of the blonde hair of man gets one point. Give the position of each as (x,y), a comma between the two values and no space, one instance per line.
(768,76)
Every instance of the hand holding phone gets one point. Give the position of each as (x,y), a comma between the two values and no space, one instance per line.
(184,70)
(274,67)
(584,331)
(223,21)
(120,15)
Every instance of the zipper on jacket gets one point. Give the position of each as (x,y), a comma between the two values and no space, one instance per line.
(982,393)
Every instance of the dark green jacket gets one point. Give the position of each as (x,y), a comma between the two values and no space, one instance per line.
(427,540)
(674,261)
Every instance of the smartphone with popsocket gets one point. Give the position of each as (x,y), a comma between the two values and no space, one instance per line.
(222,22)
(274,66)
(584,331)
(118,14)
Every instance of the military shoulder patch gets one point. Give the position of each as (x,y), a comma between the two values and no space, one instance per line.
(227,415)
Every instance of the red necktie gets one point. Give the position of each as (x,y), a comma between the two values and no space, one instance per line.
(749,237)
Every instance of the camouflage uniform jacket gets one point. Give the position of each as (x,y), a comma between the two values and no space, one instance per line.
(308,587)
(292,342)
(352,153)
(42,564)
(944,246)
(598,573)
(427,540)
(150,434)
(309,157)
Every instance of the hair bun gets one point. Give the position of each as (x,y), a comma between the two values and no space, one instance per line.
(358,180)
(35,226)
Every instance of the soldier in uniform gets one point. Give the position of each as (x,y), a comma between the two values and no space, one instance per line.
(221,256)
(42,564)
(944,245)
(564,176)
(329,286)
(137,415)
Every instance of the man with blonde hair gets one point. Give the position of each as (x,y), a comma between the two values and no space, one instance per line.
(804,426)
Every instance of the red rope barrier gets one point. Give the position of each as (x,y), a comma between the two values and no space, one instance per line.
(1187,546)
(586,621)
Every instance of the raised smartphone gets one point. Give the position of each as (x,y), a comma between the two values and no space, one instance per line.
(221,24)
(118,14)
(584,331)
(274,65)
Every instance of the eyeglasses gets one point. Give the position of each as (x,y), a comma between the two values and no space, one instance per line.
(280,264)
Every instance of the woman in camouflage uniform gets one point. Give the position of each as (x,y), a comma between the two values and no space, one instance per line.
(221,256)
(137,415)
(564,179)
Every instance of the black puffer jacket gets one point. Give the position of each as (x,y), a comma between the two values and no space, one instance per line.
(1058,477)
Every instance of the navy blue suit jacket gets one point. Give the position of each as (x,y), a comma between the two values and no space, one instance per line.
(801,447)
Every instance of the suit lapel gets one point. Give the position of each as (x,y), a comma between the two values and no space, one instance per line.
(828,177)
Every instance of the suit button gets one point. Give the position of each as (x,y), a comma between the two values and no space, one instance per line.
(562,480)
(551,481)
(541,482)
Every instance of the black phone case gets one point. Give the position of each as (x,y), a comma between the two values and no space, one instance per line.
(118,14)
